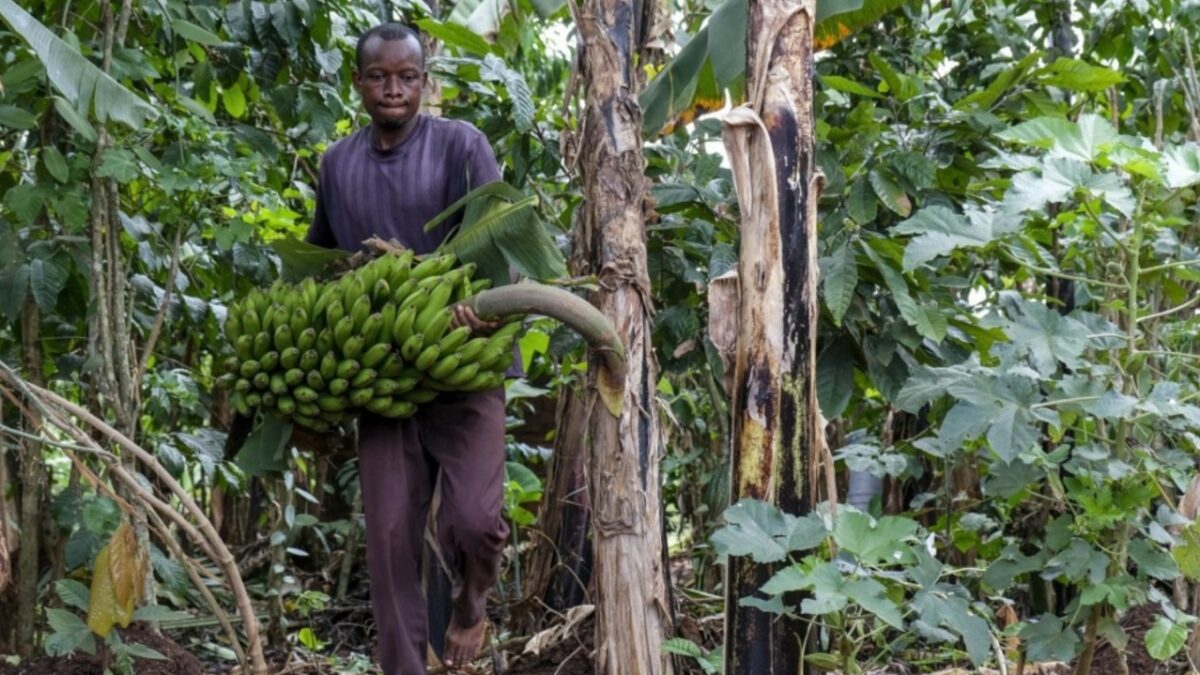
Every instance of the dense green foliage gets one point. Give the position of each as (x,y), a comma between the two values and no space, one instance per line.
(1008,267)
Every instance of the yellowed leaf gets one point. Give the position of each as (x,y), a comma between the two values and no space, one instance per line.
(102,604)
(127,568)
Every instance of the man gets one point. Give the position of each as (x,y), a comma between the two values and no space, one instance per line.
(387,180)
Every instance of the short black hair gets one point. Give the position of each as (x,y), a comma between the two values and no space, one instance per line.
(387,32)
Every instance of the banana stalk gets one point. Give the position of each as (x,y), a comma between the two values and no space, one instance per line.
(556,303)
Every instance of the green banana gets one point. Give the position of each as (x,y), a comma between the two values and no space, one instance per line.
(348,368)
(286,405)
(443,368)
(339,386)
(233,325)
(306,339)
(402,326)
(261,380)
(353,347)
(472,348)
(392,366)
(329,364)
(427,357)
(289,357)
(420,396)
(379,405)
(309,359)
(360,311)
(299,321)
(269,361)
(360,397)
(332,403)
(314,380)
(371,328)
(400,409)
(376,354)
(249,368)
(343,330)
(325,340)
(462,375)
(385,387)
(381,292)
(262,344)
(363,378)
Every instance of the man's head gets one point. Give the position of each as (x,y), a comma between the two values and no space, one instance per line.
(391,74)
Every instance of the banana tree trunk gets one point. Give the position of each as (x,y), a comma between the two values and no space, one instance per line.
(775,428)
(632,610)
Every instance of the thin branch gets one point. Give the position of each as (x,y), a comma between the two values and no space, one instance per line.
(1064,275)
(210,539)
(1167,312)
(189,566)
(161,317)
(123,21)
(1164,266)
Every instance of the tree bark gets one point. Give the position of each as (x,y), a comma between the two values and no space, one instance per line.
(32,482)
(775,418)
(632,611)
(558,570)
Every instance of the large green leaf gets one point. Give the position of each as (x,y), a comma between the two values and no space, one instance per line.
(941,230)
(16,118)
(83,84)
(501,229)
(47,277)
(1183,165)
(301,259)
(873,541)
(1086,140)
(727,27)
(455,35)
(1165,638)
(494,69)
(839,277)
(263,451)
(721,45)
(190,31)
(1006,80)
(672,91)
(760,530)
(1048,638)
(1079,75)
(837,20)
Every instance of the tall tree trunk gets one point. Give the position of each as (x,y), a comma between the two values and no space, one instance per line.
(32,482)
(559,565)
(775,418)
(632,610)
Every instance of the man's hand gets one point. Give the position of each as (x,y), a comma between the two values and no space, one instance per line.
(465,316)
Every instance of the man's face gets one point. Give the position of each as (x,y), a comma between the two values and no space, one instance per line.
(391,80)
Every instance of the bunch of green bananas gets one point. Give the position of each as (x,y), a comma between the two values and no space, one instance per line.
(378,339)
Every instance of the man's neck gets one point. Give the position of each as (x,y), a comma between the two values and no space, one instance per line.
(386,139)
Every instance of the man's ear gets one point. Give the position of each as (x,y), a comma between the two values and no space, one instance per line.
(356,78)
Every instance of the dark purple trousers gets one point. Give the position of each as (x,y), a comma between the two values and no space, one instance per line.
(459,440)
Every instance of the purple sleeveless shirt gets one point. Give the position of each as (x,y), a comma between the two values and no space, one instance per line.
(366,192)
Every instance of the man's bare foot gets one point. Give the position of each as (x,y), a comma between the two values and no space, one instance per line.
(463,643)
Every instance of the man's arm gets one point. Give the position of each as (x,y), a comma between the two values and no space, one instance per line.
(481,164)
